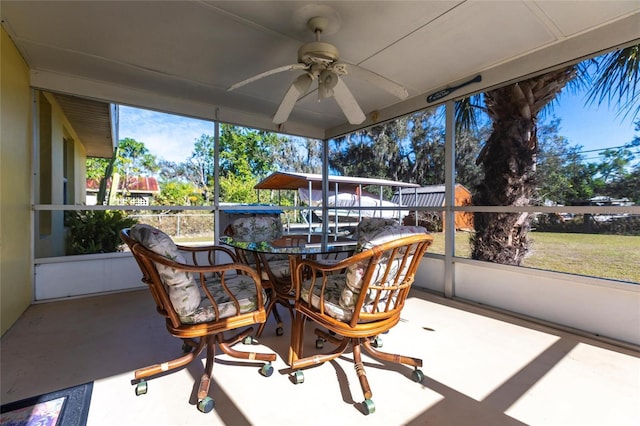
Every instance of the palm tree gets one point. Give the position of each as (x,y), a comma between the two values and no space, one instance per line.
(508,157)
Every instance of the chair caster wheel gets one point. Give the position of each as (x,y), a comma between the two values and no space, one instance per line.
(279,331)
(206,405)
(248,340)
(266,370)
(298,377)
(377,342)
(417,375)
(141,388)
(319,343)
(369,406)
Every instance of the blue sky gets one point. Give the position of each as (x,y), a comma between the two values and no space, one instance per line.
(172,137)
(593,127)
(167,136)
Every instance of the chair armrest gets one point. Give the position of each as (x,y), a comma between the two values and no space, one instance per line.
(330,265)
(179,287)
(202,268)
(320,267)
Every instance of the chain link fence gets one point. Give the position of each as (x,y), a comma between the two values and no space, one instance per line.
(181,225)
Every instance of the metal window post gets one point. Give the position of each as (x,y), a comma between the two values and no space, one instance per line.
(449,201)
(216,178)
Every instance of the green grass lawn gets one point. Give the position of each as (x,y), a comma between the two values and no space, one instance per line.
(606,256)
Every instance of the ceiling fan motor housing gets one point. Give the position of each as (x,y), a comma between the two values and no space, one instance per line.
(318,52)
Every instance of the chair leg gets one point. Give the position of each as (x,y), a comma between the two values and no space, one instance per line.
(271,308)
(297,331)
(152,370)
(188,345)
(322,334)
(226,347)
(360,371)
(205,402)
(385,356)
(277,317)
(321,358)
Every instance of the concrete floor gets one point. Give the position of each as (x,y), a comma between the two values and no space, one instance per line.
(481,368)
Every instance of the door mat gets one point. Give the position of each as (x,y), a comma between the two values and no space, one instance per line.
(66,407)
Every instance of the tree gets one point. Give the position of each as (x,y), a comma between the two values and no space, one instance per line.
(410,149)
(427,149)
(247,153)
(134,159)
(561,175)
(130,158)
(620,176)
(379,151)
(96,167)
(200,167)
(100,170)
(245,156)
(627,186)
(299,155)
(234,189)
(615,162)
(467,148)
(508,158)
(170,170)
(176,193)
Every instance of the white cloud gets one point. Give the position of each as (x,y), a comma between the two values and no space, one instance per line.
(169,137)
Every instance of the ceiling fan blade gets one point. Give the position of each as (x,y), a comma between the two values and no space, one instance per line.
(348,103)
(378,80)
(290,67)
(299,87)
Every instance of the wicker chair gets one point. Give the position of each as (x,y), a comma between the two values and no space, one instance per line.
(274,270)
(200,300)
(356,300)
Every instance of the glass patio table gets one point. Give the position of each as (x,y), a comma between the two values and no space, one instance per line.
(278,277)
(295,245)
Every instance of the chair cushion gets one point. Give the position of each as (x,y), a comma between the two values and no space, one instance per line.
(370,225)
(388,233)
(256,228)
(355,272)
(333,307)
(242,286)
(182,288)
(279,268)
(335,286)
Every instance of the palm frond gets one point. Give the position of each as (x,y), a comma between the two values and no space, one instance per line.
(616,80)
(467,112)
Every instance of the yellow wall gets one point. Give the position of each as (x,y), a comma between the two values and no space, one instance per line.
(16,279)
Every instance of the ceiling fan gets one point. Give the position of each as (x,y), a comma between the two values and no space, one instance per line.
(320,61)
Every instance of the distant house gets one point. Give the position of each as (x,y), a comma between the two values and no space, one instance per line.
(136,191)
(601,200)
(433,196)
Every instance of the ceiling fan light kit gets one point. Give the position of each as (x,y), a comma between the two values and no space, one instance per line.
(319,61)
(326,83)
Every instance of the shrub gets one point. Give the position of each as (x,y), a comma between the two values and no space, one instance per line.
(432,221)
(95,231)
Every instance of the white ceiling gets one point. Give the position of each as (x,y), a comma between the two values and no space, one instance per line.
(181,56)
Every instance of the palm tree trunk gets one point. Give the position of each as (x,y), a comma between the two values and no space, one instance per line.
(509,166)
(509,162)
